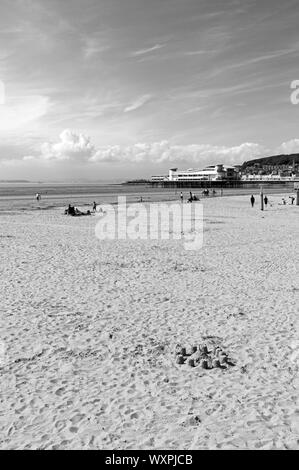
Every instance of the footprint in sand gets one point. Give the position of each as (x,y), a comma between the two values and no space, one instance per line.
(77,418)
(60,425)
(73,429)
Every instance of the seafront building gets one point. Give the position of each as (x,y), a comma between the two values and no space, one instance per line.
(270,171)
(230,174)
(268,177)
(217,172)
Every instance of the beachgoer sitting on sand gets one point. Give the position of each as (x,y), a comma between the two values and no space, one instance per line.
(70,210)
(283,202)
(79,213)
(75,212)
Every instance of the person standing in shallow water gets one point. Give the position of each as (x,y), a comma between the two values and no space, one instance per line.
(182,197)
(252,200)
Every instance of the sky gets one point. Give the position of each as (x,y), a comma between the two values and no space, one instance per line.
(106,89)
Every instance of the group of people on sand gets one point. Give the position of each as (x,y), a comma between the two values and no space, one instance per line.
(192,197)
(266,201)
(206,192)
(284,202)
(252,201)
(74,211)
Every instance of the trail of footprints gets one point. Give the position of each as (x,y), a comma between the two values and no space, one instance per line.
(203,356)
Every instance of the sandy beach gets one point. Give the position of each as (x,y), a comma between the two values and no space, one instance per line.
(89,331)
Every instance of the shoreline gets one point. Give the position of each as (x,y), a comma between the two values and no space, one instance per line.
(52,201)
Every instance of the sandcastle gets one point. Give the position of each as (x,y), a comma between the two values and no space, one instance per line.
(203,356)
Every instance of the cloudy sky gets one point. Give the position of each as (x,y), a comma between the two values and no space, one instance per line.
(128,88)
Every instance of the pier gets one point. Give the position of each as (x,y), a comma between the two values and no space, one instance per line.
(219,184)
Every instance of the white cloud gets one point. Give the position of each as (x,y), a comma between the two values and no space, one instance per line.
(77,148)
(291,146)
(72,146)
(198,52)
(165,153)
(137,103)
(148,50)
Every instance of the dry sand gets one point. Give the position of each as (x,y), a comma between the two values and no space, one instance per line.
(90,329)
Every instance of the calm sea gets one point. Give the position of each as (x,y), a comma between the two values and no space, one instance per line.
(21,196)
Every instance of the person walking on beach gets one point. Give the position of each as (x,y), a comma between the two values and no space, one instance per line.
(182,197)
(94,206)
(266,201)
(252,200)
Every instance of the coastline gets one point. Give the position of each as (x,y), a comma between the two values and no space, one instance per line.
(59,196)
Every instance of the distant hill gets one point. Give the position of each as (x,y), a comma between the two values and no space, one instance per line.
(15,181)
(139,181)
(275,160)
